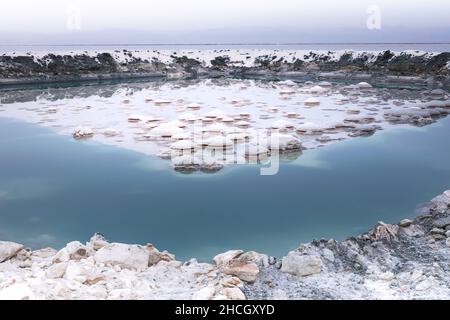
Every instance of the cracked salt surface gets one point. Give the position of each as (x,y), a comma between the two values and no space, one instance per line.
(208,124)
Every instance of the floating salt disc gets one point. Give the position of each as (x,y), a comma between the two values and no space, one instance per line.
(283,142)
(325,84)
(317,89)
(161,102)
(126,101)
(287,92)
(111,132)
(148,100)
(193,106)
(207,120)
(211,164)
(352,87)
(227,120)
(182,145)
(165,130)
(186,163)
(181,136)
(177,123)
(237,137)
(214,114)
(310,128)
(83,132)
(243,124)
(282,124)
(135,117)
(273,110)
(264,116)
(312,102)
(189,117)
(235,100)
(364,85)
(217,128)
(220,142)
(245,115)
(288,83)
(292,114)
(151,119)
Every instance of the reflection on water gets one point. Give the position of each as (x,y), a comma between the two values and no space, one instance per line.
(328,192)
(207,125)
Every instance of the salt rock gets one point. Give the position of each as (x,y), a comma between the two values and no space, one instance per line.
(132,257)
(155,256)
(405,223)
(9,250)
(206,293)
(234,294)
(83,132)
(224,258)
(231,263)
(56,270)
(97,242)
(44,253)
(74,250)
(301,265)
(17,291)
(383,231)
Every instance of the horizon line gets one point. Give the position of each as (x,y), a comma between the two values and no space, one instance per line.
(229,44)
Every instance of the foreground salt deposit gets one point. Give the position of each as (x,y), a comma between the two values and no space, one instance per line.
(208,124)
(405,261)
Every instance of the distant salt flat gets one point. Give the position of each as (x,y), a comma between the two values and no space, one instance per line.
(209,124)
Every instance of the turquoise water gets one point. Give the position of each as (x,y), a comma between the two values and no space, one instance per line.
(54,190)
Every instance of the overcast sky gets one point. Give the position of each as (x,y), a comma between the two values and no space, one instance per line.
(51,15)
(180,16)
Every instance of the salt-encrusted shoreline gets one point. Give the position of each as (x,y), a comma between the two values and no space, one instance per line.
(29,67)
(409,260)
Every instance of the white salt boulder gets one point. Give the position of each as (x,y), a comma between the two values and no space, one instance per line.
(234,294)
(231,263)
(56,271)
(9,250)
(17,291)
(74,250)
(133,257)
(301,265)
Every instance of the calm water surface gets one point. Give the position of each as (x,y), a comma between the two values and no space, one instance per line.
(54,190)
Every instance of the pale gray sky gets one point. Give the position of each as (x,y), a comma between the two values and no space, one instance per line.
(50,16)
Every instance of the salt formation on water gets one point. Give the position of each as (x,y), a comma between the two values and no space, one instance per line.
(208,124)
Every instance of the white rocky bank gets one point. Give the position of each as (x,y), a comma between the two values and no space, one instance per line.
(410,260)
